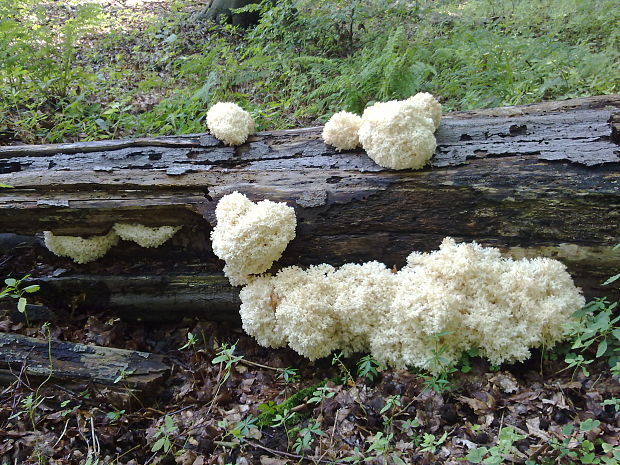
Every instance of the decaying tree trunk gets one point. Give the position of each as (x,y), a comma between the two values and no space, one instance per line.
(534,180)
(78,363)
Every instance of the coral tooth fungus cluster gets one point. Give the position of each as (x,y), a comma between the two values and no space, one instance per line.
(470,294)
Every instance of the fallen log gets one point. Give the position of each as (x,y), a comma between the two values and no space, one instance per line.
(79,363)
(533,180)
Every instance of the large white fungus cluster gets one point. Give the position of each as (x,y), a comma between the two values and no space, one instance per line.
(473,295)
(250,236)
(84,250)
(482,300)
(230,123)
(341,130)
(398,134)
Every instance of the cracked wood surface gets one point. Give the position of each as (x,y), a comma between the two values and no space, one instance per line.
(80,363)
(533,180)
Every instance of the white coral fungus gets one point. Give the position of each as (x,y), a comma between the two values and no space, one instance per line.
(79,249)
(427,106)
(145,236)
(230,123)
(250,236)
(398,135)
(468,293)
(341,130)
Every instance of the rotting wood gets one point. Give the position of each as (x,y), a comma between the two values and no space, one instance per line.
(79,363)
(534,180)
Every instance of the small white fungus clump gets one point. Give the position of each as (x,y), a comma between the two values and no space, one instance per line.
(471,293)
(230,123)
(397,135)
(341,130)
(81,250)
(145,236)
(250,236)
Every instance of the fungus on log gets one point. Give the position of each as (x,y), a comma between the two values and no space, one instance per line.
(532,180)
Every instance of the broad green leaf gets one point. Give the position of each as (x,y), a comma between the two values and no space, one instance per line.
(476,455)
(589,424)
(10,282)
(33,288)
(158,444)
(602,348)
(21,304)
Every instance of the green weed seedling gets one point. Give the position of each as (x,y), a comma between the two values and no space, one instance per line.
(192,340)
(306,437)
(345,374)
(163,436)
(369,367)
(289,375)
(497,454)
(13,288)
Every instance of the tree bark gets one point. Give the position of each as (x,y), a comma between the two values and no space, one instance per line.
(79,363)
(532,180)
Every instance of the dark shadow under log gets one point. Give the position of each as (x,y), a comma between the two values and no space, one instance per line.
(535,180)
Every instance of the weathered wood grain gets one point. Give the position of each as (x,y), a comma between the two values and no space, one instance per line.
(81,363)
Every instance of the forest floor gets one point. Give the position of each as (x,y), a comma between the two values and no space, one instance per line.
(278,408)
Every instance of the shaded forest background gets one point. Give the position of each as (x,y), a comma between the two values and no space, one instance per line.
(76,70)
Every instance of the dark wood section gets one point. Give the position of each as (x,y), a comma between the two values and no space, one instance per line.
(541,179)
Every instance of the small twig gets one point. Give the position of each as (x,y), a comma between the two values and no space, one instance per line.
(331,439)
(286,454)
(187,407)
(61,434)
(539,451)
(127,452)
(260,365)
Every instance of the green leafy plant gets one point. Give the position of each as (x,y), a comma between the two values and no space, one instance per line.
(227,359)
(163,436)
(369,367)
(573,446)
(595,334)
(320,394)
(499,453)
(440,367)
(289,375)
(306,437)
(430,442)
(192,340)
(347,378)
(13,288)
(115,415)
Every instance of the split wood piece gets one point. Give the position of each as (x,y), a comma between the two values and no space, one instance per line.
(534,180)
(79,363)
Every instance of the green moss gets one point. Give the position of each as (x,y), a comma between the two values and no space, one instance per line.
(271,409)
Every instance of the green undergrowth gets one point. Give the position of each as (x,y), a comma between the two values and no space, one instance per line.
(79,71)
(270,410)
